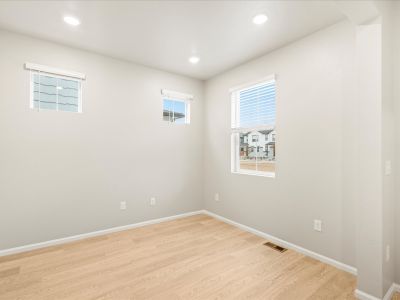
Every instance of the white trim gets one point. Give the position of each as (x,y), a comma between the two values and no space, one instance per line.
(94,233)
(263,80)
(56,71)
(187,113)
(393,289)
(388,296)
(364,296)
(254,173)
(250,129)
(176,95)
(288,245)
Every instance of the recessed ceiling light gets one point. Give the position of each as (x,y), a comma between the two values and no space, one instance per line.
(194,59)
(71,21)
(59,88)
(260,19)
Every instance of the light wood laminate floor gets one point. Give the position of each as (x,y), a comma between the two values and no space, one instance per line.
(196,257)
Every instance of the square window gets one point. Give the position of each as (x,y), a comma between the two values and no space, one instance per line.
(176,111)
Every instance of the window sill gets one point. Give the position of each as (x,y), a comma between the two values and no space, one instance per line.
(260,174)
(35,109)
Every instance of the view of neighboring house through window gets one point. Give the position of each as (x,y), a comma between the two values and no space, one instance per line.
(253,129)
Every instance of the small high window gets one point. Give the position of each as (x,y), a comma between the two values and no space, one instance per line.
(175,111)
(55,89)
(176,107)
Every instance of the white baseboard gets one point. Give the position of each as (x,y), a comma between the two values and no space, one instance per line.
(394,288)
(388,296)
(288,245)
(364,296)
(271,238)
(93,234)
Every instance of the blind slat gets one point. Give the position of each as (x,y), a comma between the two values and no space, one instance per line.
(54,93)
(257,106)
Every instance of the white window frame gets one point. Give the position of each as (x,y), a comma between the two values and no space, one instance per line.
(236,129)
(55,73)
(178,97)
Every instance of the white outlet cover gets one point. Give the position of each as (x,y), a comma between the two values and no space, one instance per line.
(318,225)
(216,197)
(122,205)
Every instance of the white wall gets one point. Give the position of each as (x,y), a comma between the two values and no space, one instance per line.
(369,215)
(388,142)
(63,174)
(316,149)
(396,91)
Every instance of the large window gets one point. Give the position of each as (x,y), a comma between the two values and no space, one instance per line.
(253,129)
(53,89)
(176,107)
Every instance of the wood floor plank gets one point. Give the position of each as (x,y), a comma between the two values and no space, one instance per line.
(9,272)
(194,258)
(396,296)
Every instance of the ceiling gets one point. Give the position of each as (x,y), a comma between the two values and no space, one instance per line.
(164,34)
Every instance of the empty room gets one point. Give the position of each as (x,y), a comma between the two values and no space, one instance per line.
(199,150)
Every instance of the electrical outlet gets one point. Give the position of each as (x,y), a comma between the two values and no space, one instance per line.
(387,253)
(388,167)
(216,197)
(318,225)
(152,201)
(122,205)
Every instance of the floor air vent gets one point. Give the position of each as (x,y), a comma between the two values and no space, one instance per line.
(275,247)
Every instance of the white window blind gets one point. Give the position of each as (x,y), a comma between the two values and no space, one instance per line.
(55,89)
(54,93)
(253,128)
(255,106)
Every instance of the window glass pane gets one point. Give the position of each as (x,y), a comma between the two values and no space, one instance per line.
(266,157)
(68,97)
(179,112)
(257,151)
(167,110)
(45,92)
(246,152)
(36,95)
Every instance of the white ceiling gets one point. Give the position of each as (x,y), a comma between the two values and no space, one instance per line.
(163,34)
